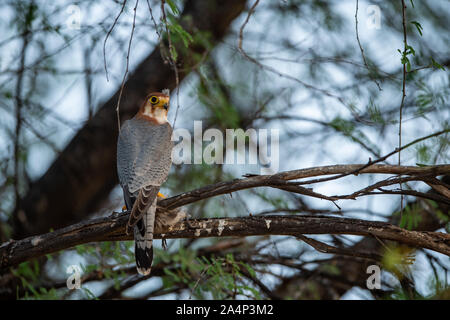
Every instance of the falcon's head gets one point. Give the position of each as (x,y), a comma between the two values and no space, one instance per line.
(155,107)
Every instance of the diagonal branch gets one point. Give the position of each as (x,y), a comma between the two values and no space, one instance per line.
(326,248)
(275,179)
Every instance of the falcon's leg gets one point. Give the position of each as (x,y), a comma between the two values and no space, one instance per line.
(128,198)
(165,219)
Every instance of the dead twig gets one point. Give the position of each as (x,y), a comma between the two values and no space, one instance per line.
(361,48)
(128,63)
(107,36)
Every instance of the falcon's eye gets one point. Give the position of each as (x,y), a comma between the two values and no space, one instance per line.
(154,100)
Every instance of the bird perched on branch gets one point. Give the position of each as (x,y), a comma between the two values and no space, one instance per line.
(144,158)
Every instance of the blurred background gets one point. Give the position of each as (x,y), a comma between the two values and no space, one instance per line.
(326,74)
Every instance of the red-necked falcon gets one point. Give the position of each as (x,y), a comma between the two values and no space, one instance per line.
(144,158)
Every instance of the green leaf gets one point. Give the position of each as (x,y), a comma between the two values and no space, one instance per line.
(342,125)
(436,65)
(418,27)
(172,274)
(173,7)
(330,269)
(411,217)
(30,15)
(375,113)
(89,294)
(173,53)
(249,269)
(421,165)
(178,30)
(423,153)
(410,50)
(404,59)
(8,94)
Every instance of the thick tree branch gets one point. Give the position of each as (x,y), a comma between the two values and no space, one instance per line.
(113,228)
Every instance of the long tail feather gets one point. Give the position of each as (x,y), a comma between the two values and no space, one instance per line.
(144,200)
(143,237)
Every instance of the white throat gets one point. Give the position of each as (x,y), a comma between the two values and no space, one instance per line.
(159,114)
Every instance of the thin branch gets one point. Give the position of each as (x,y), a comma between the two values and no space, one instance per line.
(279,73)
(388,182)
(128,62)
(153,20)
(241,30)
(18,113)
(173,61)
(403,94)
(45,140)
(274,180)
(370,163)
(439,186)
(88,79)
(326,248)
(361,48)
(107,36)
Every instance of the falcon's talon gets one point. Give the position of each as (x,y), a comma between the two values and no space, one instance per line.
(161,195)
(190,224)
(115,214)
